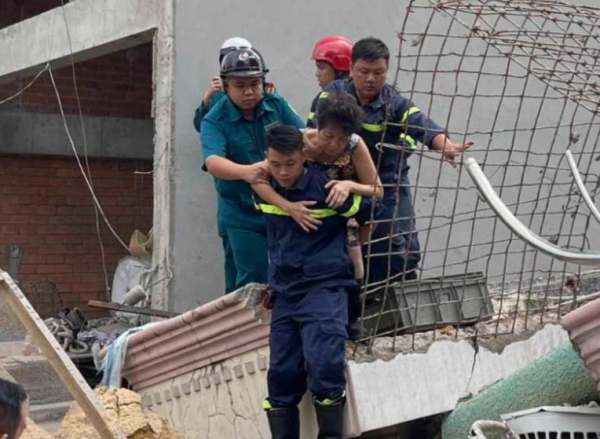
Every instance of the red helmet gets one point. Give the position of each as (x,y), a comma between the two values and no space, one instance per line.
(337,51)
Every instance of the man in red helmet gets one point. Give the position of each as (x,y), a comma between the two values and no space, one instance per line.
(333,56)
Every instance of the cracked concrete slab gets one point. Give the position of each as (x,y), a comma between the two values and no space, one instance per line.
(416,385)
(382,393)
(231,408)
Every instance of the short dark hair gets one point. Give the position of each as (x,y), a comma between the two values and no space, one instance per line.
(340,109)
(285,139)
(370,49)
(12,398)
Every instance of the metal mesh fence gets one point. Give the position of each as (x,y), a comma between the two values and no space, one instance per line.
(520,79)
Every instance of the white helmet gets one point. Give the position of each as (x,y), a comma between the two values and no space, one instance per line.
(233,44)
(237,43)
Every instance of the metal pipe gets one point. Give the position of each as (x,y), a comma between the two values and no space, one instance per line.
(581,186)
(517,227)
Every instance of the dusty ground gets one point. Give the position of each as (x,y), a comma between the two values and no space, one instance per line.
(123,409)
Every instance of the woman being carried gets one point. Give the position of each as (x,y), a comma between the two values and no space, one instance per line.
(344,158)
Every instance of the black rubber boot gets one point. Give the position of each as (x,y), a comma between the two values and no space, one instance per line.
(330,419)
(284,423)
(355,328)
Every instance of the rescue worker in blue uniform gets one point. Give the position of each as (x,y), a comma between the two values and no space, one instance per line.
(232,137)
(214,92)
(311,275)
(381,104)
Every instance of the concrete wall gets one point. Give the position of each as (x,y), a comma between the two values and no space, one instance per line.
(285,33)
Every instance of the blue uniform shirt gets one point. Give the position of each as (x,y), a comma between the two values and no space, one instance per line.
(412,126)
(301,261)
(203,110)
(226,133)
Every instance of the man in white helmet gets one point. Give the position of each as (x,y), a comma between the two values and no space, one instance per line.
(214,92)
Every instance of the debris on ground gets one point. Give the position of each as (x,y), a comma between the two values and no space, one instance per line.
(35,432)
(123,409)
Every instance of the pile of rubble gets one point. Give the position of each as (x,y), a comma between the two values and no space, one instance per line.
(123,410)
(494,334)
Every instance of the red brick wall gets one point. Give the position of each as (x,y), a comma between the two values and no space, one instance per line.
(46,208)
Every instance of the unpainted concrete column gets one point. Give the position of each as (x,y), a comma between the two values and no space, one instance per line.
(163,108)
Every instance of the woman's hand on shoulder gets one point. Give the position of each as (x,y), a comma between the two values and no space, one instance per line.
(339,191)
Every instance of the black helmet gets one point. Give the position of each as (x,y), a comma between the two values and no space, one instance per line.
(265,69)
(245,63)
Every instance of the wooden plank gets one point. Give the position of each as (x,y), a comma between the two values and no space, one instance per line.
(132,309)
(56,356)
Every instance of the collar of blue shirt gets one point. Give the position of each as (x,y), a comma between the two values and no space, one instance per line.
(378,102)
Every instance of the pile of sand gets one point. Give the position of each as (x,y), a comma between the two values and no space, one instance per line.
(123,409)
(34,432)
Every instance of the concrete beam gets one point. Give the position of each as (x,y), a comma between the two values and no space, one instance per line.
(109,137)
(95,28)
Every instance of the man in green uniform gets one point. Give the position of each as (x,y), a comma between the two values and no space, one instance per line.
(232,137)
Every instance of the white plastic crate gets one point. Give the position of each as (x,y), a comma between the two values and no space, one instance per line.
(556,423)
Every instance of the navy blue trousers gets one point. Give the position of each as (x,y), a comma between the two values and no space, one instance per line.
(308,334)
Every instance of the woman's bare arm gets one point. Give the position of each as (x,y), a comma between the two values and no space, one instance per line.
(368,184)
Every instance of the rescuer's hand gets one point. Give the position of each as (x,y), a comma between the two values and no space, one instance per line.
(215,85)
(450,150)
(302,215)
